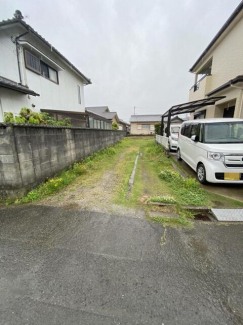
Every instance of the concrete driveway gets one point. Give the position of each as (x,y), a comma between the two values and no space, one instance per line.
(232,191)
(66,266)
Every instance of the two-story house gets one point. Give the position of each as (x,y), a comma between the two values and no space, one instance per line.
(219,71)
(34,74)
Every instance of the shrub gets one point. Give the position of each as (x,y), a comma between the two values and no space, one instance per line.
(8,117)
(115,126)
(27,116)
(157,128)
(19,120)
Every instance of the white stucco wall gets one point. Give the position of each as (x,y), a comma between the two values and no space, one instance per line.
(62,96)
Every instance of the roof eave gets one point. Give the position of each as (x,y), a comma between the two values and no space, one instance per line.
(217,36)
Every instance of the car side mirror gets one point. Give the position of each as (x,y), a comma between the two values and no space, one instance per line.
(195,138)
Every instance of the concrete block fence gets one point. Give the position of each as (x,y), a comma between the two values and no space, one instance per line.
(29,154)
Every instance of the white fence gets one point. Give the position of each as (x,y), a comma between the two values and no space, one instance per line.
(164,141)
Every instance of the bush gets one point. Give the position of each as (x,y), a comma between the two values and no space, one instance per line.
(157,128)
(115,126)
(8,117)
(26,116)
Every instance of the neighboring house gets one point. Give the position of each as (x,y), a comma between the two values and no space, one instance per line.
(104,112)
(35,75)
(144,124)
(125,126)
(97,121)
(219,71)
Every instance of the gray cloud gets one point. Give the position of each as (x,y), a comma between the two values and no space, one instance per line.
(136,52)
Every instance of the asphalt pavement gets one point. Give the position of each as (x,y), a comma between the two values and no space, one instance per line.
(67,266)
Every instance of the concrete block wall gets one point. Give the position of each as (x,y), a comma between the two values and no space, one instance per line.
(30,154)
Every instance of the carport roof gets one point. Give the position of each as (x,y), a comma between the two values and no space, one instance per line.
(191,107)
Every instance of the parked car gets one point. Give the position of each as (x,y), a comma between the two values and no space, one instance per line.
(213,148)
(173,138)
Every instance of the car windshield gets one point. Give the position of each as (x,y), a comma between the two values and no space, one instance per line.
(225,132)
(175,129)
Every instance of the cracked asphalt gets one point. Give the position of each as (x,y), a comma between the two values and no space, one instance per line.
(69,266)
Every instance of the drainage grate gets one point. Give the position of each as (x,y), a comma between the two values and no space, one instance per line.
(228,214)
(202,217)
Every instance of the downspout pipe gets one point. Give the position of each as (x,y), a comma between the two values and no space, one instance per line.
(17,52)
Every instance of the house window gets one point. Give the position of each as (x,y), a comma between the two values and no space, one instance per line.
(33,63)
(44,70)
(79,94)
(91,122)
(53,75)
(145,126)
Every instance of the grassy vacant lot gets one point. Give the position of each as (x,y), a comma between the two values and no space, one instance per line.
(157,179)
(102,179)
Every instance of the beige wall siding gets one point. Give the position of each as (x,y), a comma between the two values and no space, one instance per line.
(226,65)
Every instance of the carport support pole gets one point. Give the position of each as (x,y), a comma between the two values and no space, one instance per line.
(168,124)
(162,125)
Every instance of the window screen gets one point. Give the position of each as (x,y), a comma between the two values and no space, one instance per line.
(32,62)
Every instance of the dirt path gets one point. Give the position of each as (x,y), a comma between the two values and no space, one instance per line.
(96,192)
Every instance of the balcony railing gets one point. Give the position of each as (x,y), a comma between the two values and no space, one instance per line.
(196,86)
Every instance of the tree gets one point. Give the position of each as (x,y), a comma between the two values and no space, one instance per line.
(157,128)
(115,126)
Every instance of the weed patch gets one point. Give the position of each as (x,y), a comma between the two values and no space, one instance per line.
(163,199)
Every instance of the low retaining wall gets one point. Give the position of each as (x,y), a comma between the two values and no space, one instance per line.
(30,154)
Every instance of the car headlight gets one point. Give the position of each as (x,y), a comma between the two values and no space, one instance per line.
(215,156)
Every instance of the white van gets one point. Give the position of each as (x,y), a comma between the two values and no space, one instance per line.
(173,138)
(213,148)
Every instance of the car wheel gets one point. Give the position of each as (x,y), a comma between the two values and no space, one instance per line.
(201,174)
(179,155)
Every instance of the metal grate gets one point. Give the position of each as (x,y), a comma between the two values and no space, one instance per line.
(228,214)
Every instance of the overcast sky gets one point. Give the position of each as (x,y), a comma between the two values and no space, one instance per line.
(136,52)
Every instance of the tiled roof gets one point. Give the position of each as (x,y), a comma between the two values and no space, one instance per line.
(97,109)
(145,118)
(101,110)
(10,84)
(123,122)
(30,29)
